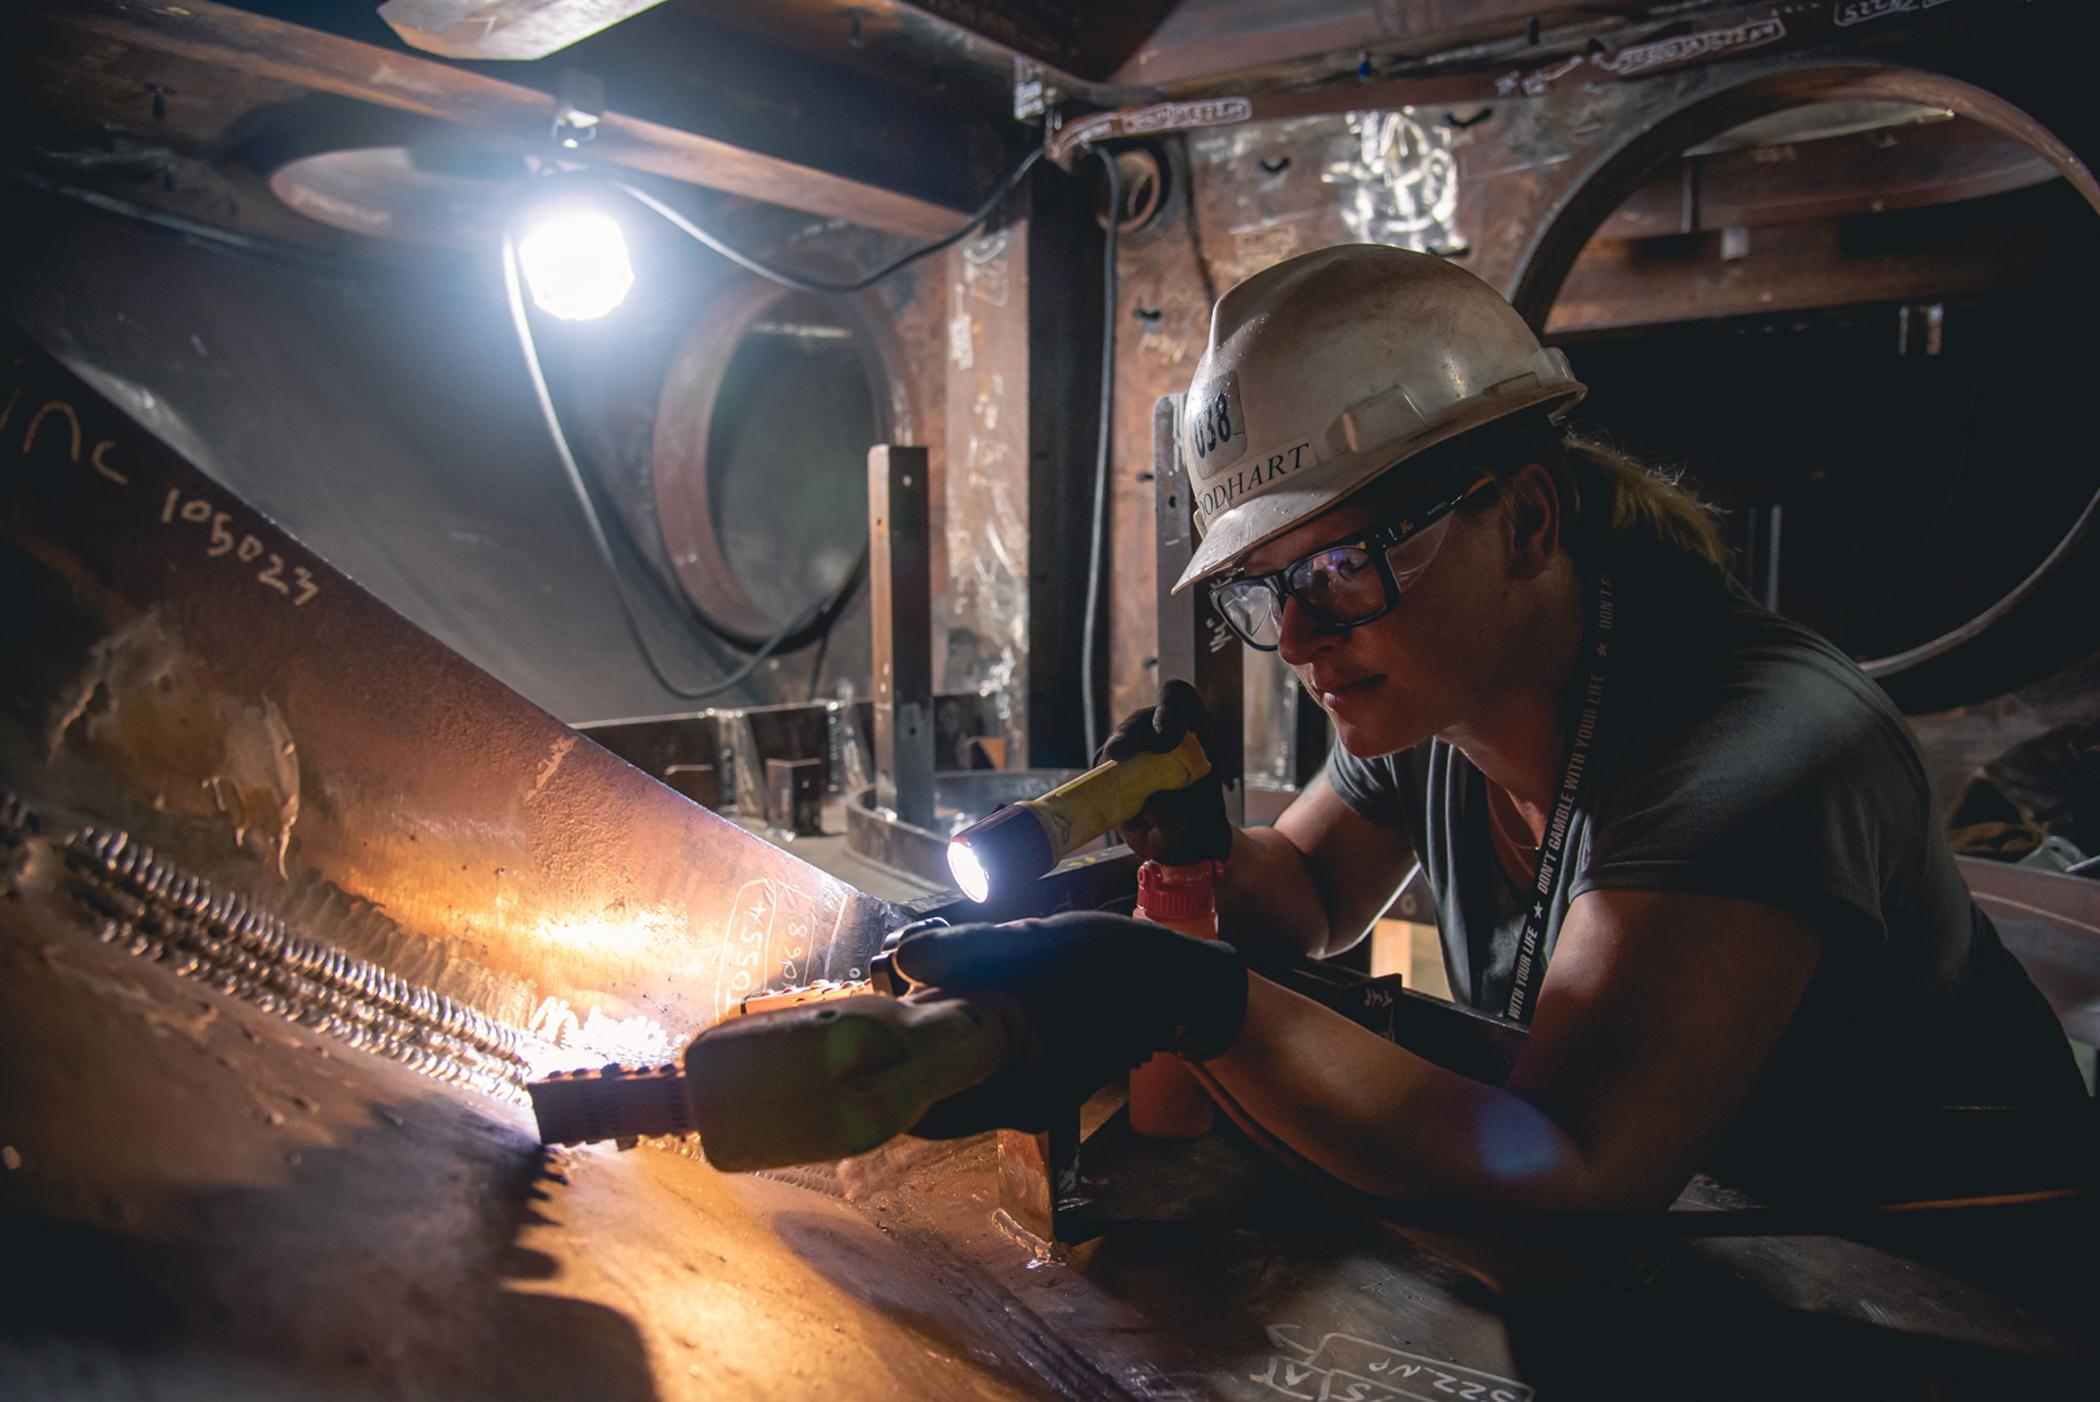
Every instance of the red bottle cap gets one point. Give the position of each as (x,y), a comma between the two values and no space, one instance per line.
(1178,893)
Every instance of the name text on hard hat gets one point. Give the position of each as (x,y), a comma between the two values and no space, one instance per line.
(1256,474)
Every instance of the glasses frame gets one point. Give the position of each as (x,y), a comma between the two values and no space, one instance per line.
(1378,544)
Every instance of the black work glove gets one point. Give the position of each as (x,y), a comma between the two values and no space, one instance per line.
(1182,826)
(1098,993)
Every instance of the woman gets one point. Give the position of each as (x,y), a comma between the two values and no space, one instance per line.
(1687,841)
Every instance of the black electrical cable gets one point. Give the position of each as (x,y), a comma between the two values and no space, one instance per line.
(816,670)
(521,322)
(810,284)
(1089,630)
(820,624)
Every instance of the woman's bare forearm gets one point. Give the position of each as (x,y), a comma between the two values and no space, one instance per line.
(1268,895)
(1384,1121)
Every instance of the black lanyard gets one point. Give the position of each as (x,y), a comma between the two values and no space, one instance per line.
(1531,961)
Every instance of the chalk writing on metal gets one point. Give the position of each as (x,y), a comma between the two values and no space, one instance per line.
(1345,1368)
(56,421)
(69,420)
(1165,116)
(984,269)
(1536,81)
(771,939)
(1684,48)
(220,541)
(1399,182)
(1851,12)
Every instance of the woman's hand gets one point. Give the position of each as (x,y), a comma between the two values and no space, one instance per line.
(1181,826)
(1097,994)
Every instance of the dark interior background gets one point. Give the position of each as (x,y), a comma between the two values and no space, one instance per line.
(381,412)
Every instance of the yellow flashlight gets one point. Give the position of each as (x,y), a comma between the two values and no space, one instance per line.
(1022,841)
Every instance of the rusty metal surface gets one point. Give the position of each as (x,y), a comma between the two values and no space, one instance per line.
(688,488)
(795,796)
(219,1205)
(152,909)
(1163,295)
(224,1205)
(1581,154)
(397,1238)
(465,29)
(242,41)
(831,853)
(1530,175)
(182,669)
(208,1232)
(981,555)
(1203,40)
(2051,922)
(690,753)
(1513,63)
(1121,55)
(759,734)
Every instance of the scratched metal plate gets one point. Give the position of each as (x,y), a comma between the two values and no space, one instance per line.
(202,1201)
(180,667)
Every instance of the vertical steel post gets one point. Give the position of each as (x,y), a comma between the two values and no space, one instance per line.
(795,795)
(1194,643)
(900,587)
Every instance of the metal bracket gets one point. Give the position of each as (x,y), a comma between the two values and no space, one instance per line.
(579,105)
(901,610)
(1034,95)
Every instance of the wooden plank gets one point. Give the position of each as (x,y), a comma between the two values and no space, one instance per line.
(270,48)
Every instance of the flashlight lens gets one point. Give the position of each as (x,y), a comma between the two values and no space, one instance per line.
(969,873)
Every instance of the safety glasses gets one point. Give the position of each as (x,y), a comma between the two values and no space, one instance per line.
(1346,584)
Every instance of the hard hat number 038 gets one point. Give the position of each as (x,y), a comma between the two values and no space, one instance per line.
(1213,426)
(1217,430)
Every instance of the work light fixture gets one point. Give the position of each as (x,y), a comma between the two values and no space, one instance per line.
(575,261)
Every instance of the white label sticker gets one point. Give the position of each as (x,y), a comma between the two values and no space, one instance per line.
(1214,432)
(1250,478)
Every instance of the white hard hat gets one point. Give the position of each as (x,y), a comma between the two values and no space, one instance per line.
(1327,369)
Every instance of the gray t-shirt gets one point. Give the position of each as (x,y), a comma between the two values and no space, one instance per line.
(1742,755)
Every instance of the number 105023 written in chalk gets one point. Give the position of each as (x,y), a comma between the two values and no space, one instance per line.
(220,542)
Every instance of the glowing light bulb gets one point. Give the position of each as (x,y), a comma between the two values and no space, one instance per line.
(576,264)
(969,873)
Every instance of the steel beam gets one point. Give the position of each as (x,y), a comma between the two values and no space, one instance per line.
(901,607)
(1195,646)
(257,45)
(180,668)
